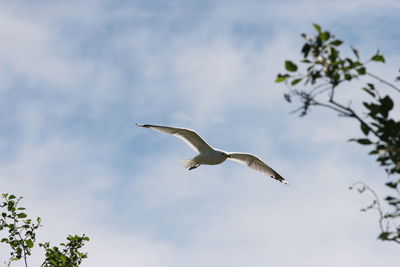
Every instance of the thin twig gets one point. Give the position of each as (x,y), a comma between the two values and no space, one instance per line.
(353,114)
(331,107)
(377,202)
(319,86)
(296,110)
(320,91)
(384,82)
(377,206)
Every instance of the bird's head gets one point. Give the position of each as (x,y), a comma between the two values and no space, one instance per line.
(226,155)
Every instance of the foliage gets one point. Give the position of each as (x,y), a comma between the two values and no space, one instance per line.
(69,256)
(376,205)
(21,230)
(21,237)
(325,71)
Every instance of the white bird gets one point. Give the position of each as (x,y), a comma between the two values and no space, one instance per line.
(210,156)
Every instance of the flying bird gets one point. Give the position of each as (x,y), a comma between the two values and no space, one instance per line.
(211,156)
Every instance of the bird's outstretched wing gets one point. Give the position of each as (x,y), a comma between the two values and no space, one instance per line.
(256,164)
(189,136)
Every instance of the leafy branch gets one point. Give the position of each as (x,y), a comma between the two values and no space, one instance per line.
(21,230)
(21,237)
(68,256)
(384,217)
(326,70)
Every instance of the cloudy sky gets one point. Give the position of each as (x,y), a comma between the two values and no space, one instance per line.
(76,75)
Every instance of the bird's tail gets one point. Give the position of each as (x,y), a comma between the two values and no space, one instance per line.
(187,163)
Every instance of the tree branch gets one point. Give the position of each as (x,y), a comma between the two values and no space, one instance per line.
(376,205)
(353,114)
(384,82)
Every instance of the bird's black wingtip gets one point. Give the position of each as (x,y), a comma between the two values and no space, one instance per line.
(283,181)
(280,179)
(142,125)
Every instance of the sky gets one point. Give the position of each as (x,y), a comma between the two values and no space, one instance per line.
(75,77)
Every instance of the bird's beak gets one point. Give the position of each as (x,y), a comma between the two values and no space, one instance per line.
(229,156)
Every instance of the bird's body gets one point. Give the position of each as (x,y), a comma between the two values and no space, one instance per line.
(210,156)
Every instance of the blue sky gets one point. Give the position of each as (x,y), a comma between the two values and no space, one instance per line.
(77,76)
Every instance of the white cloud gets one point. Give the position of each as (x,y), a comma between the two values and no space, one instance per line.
(28,52)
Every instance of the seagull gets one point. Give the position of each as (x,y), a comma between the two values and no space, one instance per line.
(211,156)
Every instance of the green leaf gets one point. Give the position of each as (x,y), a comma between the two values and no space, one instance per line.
(296,81)
(336,42)
(22,215)
(362,141)
(364,128)
(369,91)
(387,103)
(373,108)
(29,243)
(391,185)
(356,64)
(355,51)
(325,36)
(371,86)
(317,27)
(347,77)
(373,152)
(305,50)
(378,58)
(361,71)
(281,78)
(290,66)
(384,235)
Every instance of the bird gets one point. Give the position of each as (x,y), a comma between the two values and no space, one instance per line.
(208,155)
